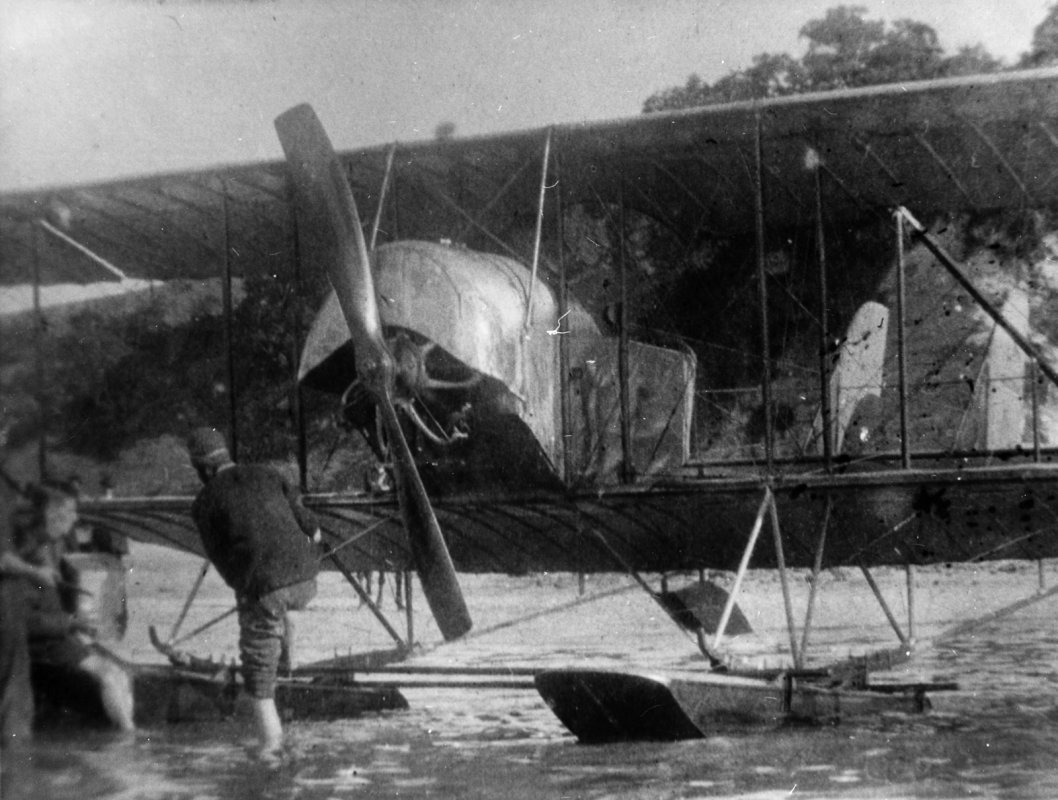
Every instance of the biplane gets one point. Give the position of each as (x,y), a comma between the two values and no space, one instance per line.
(632,345)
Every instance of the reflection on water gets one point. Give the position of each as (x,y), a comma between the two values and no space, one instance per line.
(996,737)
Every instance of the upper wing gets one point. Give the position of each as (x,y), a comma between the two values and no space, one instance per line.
(981,142)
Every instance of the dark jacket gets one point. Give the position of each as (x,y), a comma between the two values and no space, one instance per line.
(255,530)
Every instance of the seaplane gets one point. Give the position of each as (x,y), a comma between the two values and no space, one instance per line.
(635,345)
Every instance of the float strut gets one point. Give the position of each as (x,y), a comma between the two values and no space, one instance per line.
(885,606)
(784,579)
(365,597)
(729,606)
(817,567)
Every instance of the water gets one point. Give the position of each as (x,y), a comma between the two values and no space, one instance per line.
(997,736)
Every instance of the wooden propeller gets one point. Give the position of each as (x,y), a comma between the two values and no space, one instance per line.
(326,205)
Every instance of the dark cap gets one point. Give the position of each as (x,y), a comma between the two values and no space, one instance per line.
(207,447)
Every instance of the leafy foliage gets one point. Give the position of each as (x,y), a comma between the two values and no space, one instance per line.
(1044,50)
(118,376)
(844,50)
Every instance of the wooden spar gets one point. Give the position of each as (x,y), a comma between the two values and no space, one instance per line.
(944,166)
(471,221)
(447,683)
(425,677)
(950,264)
(876,457)
(784,580)
(762,291)
(382,196)
(729,606)
(885,606)
(824,323)
(1008,168)
(901,341)
(817,567)
(539,230)
(117,272)
(422,669)
(233,405)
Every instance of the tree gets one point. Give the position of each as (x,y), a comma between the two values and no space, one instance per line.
(973,60)
(1044,50)
(843,50)
(840,46)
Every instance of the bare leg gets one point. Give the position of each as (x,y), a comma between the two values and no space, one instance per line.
(269,727)
(115,690)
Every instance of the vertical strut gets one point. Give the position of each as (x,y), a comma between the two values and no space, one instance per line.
(901,340)
(563,341)
(622,349)
(539,229)
(382,196)
(233,433)
(299,405)
(824,326)
(762,289)
(784,579)
(1035,412)
(910,572)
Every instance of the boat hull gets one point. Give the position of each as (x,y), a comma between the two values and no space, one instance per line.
(602,706)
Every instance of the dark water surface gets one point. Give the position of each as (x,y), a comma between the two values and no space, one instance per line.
(995,737)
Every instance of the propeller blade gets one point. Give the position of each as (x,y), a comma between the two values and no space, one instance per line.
(329,211)
(326,203)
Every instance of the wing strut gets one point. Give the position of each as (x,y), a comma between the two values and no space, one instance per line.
(952,266)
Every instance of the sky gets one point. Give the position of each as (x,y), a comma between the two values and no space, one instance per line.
(93,91)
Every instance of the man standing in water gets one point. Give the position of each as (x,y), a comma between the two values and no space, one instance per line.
(260,538)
